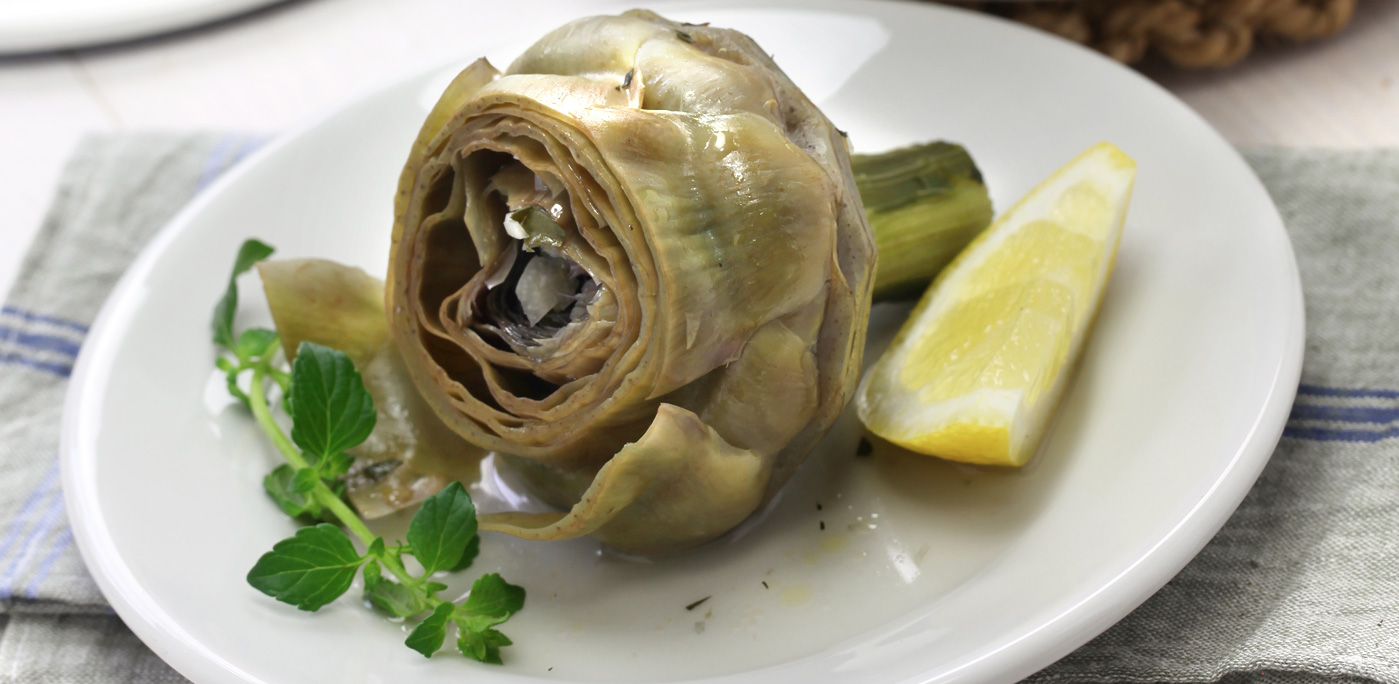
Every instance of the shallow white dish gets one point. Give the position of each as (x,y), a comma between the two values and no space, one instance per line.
(924,572)
(31,26)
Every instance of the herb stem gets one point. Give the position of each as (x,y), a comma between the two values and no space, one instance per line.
(352,522)
(258,401)
(283,379)
(342,511)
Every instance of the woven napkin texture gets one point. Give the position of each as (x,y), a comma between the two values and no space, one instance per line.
(1301,585)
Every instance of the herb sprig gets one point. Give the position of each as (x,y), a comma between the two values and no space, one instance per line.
(332,412)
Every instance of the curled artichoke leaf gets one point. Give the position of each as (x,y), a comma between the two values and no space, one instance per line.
(410,454)
(679,483)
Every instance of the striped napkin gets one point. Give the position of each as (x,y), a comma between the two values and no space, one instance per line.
(1344,414)
(114,194)
(1301,585)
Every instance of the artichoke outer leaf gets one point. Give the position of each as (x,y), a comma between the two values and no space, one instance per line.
(681,484)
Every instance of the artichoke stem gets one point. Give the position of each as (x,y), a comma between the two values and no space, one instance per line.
(924,203)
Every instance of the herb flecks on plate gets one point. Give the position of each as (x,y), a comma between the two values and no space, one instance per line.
(332,412)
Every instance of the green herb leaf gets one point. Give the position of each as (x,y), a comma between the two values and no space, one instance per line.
(389,596)
(231,380)
(684,36)
(483,645)
(492,596)
(389,553)
(255,342)
(394,598)
(334,467)
(308,570)
(330,408)
(279,485)
(428,636)
(442,528)
(250,253)
(478,623)
(373,573)
(304,480)
(473,548)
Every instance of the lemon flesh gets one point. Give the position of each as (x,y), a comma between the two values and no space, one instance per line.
(976,371)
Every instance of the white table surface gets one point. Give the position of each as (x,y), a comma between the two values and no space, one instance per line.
(277,67)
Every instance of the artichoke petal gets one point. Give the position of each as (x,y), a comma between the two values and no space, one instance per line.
(680,484)
(411,454)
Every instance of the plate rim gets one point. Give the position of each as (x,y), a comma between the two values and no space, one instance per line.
(1030,652)
(53,30)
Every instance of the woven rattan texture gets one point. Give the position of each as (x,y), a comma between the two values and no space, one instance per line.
(1189,33)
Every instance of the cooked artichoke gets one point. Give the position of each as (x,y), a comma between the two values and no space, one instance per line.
(637,263)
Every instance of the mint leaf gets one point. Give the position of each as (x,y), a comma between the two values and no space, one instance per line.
(473,548)
(478,623)
(428,636)
(394,598)
(255,342)
(483,645)
(251,252)
(492,596)
(308,570)
(442,528)
(373,574)
(492,601)
(387,595)
(334,467)
(279,485)
(230,372)
(304,480)
(330,408)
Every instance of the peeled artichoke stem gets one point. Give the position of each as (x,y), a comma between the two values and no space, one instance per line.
(924,203)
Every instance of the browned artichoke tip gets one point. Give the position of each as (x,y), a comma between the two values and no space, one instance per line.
(636,263)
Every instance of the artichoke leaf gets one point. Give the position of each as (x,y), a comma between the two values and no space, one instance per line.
(315,300)
(678,485)
(411,454)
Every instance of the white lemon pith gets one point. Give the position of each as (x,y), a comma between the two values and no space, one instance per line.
(976,371)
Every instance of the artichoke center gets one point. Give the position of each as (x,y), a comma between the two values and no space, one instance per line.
(535,290)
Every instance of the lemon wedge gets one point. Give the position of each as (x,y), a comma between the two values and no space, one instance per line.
(976,371)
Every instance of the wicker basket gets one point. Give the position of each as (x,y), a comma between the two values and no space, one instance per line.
(1190,33)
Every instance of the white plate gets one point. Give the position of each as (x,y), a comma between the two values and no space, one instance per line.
(34,25)
(925,571)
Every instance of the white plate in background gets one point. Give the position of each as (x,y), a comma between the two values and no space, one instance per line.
(37,25)
(925,571)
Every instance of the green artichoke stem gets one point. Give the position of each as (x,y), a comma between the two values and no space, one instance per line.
(925,203)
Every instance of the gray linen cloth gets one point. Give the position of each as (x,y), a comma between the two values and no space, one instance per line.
(1301,585)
